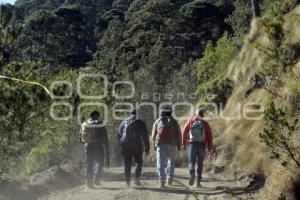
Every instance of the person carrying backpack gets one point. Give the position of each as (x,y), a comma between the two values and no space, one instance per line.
(96,143)
(133,139)
(166,136)
(197,133)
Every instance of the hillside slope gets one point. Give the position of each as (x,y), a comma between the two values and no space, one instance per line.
(239,138)
(256,81)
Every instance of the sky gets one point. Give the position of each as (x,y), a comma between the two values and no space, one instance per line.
(7,1)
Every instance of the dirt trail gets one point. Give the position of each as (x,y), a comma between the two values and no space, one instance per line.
(113,187)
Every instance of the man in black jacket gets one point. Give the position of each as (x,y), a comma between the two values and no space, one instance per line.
(131,136)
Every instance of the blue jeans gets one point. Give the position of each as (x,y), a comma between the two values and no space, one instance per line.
(165,158)
(196,153)
(94,153)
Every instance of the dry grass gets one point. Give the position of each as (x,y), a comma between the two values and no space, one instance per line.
(238,140)
(279,182)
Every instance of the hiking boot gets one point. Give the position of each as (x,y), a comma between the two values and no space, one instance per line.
(162,185)
(199,182)
(192,177)
(199,177)
(128,184)
(170,182)
(89,185)
(97,182)
(137,182)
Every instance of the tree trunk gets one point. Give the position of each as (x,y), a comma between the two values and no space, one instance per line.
(255,8)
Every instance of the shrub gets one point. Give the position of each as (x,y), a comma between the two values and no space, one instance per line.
(279,134)
(273,26)
(50,152)
(240,18)
(217,90)
(212,68)
(215,58)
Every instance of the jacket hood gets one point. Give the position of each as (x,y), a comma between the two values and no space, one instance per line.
(131,117)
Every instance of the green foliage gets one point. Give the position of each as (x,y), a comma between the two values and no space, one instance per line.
(279,135)
(24,117)
(273,26)
(217,90)
(157,36)
(49,152)
(19,104)
(215,59)
(26,98)
(8,33)
(184,81)
(60,38)
(31,6)
(240,17)
(274,20)
(212,68)
(152,43)
(62,90)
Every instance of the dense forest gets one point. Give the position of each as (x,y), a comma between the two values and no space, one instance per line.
(155,44)
(161,46)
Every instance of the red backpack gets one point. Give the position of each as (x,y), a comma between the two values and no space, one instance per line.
(165,130)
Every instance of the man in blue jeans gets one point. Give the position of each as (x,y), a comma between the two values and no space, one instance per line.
(197,134)
(166,136)
(96,143)
(134,140)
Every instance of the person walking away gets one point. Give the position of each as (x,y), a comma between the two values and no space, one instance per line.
(96,143)
(133,139)
(166,136)
(197,134)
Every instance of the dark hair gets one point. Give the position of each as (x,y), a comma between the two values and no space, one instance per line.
(200,112)
(166,111)
(166,114)
(94,114)
(133,111)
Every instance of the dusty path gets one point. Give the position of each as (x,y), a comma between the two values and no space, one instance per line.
(113,188)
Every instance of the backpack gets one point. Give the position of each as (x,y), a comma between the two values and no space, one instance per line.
(88,131)
(197,133)
(165,130)
(129,134)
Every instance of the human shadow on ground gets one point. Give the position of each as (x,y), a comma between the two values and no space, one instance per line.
(179,187)
(205,179)
(203,191)
(183,189)
(109,176)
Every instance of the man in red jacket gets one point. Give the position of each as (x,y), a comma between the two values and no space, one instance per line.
(197,133)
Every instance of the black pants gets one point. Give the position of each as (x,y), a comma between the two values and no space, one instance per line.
(94,154)
(128,155)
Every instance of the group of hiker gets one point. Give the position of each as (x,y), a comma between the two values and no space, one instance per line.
(133,139)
